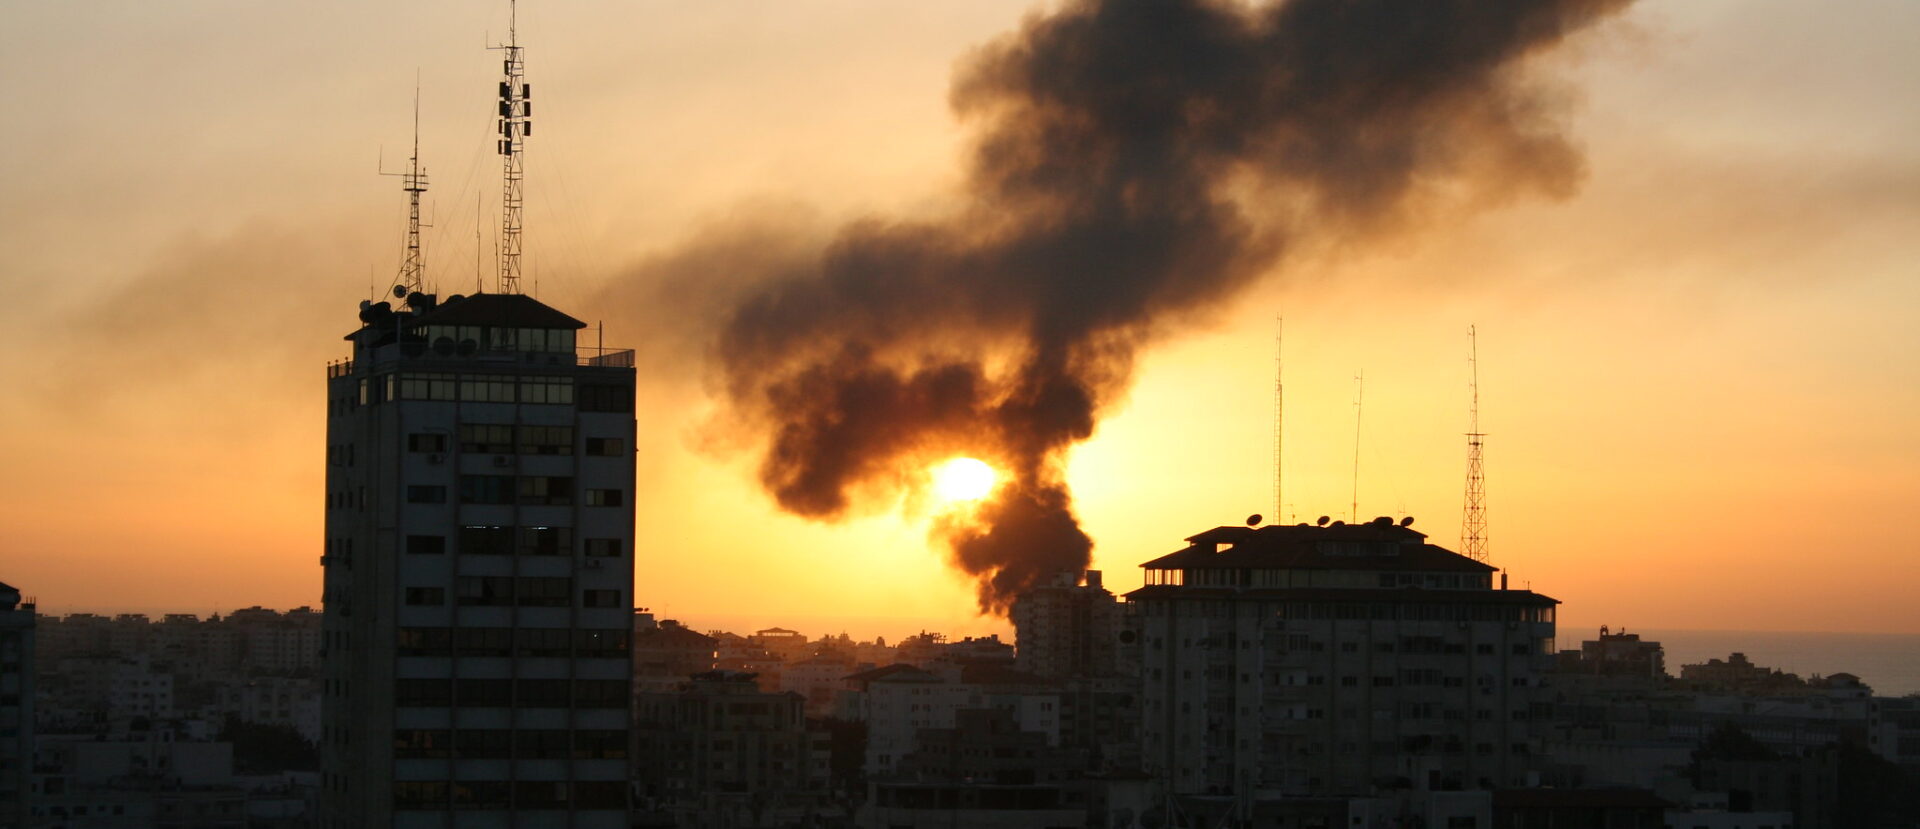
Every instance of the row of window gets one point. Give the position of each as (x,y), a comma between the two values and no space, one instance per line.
(500,338)
(504,591)
(481,641)
(511,693)
(500,794)
(495,540)
(501,743)
(531,490)
(492,388)
(506,438)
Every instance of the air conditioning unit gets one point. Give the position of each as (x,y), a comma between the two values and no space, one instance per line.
(501,460)
(436,458)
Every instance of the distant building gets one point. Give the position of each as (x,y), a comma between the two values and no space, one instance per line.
(1619,654)
(983,771)
(478,570)
(1069,627)
(16,707)
(720,751)
(1337,660)
(665,654)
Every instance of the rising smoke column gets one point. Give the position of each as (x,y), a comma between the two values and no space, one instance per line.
(1136,164)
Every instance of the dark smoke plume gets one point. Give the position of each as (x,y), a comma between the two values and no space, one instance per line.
(1137,163)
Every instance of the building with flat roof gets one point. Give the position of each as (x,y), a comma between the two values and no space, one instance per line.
(1341,660)
(478,570)
(16,707)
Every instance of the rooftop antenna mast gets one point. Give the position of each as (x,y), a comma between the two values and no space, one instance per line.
(413,268)
(515,124)
(1359,388)
(1279,400)
(1473,521)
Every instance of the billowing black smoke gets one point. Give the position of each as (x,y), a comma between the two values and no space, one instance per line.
(1137,163)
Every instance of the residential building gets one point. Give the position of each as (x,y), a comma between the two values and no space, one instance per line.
(478,570)
(16,706)
(1069,627)
(1340,660)
(721,751)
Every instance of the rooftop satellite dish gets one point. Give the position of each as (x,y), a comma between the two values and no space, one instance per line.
(443,346)
(1253,520)
(399,291)
(1406,521)
(1322,521)
(467,348)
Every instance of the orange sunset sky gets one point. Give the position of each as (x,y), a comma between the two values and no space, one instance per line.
(1700,373)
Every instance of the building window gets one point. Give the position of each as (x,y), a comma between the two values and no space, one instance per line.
(421,742)
(429,545)
(427,442)
(543,592)
(546,743)
(602,547)
(590,643)
(423,494)
(546,489)
(432,596)
(427,641)
(486,540)
(540,794)
(541,642)
(604,398)
(428,693)
(546,541)
(599,744)
(480,794)
(546,440)
(542,693)
(486,489)
(553,390)
(485,591)
(495,438)
(604,498)
(600,598)
(416,386)
(483,743)
(419,794)
(485,693)
(473,641)
(600,693)
(486,388)
(606,447)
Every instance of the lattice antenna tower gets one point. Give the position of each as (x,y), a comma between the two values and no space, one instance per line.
(1279,401)
(413,267)
(514,125)
(1473,519)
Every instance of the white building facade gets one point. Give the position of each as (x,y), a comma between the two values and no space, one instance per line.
(478,571)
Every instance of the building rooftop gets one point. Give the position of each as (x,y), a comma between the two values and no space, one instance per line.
(1377,545)
(508,310)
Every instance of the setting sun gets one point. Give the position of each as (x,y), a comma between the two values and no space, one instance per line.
(963,479)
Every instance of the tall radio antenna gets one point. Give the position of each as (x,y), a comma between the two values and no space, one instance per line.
(1473,521)
(1279,401)
(1359,388)
(515,124)
(413,268)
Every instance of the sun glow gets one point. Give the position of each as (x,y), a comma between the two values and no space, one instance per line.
(963,479)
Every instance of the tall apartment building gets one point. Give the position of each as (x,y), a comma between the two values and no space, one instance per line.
(478,570)
(1337,660)
(16,707)
(1069,627)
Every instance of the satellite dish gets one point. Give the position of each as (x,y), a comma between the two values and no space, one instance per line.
(467,348)
(1406,521)
(399,291)
(443,346)
(1322,522)
(1253,520)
